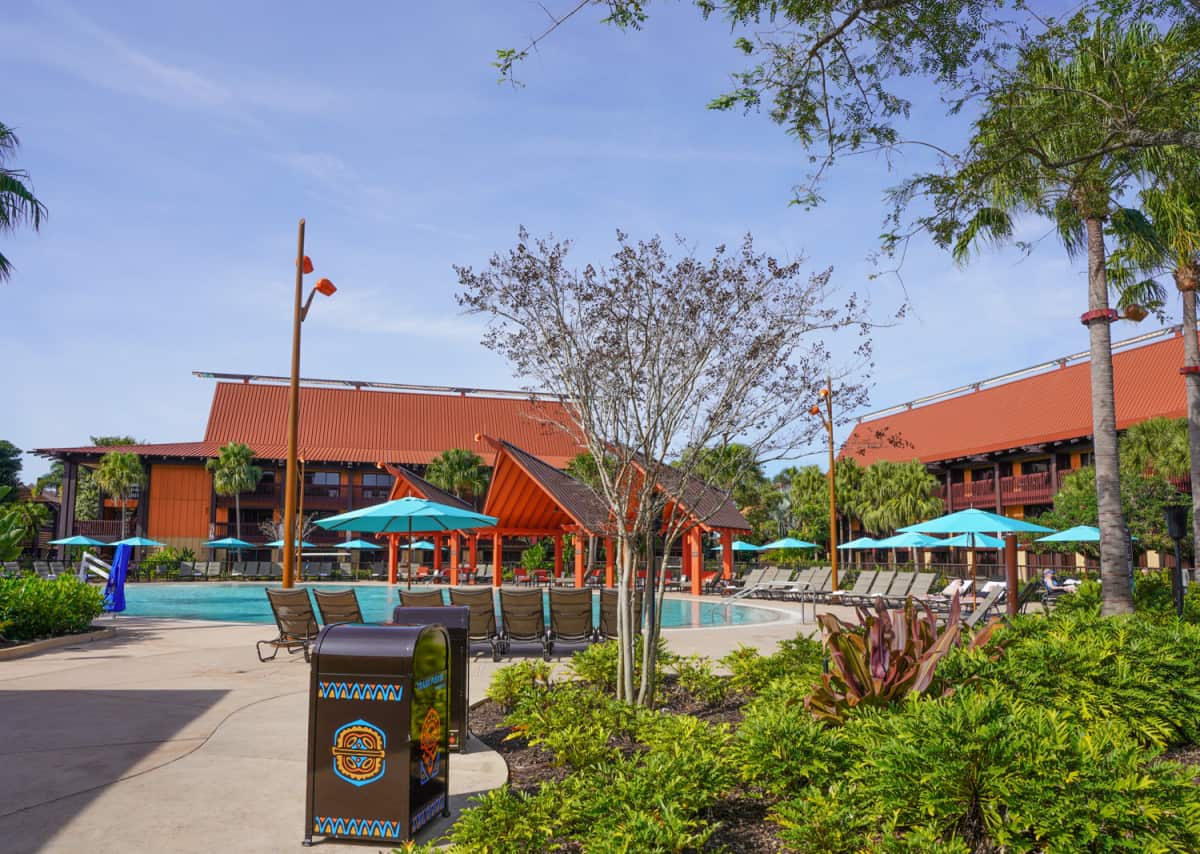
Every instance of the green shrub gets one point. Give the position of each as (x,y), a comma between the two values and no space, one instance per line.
(995,774)
(696,677)
(32,607)
(1085,600)
(597,665)
(751,672)
(164,560)
(576,724)
(510,683)
(506,822)
(535,557)
(780,747)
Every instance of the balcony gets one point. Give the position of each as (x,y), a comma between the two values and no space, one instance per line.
(101,528)
(1036,488)
(266,494)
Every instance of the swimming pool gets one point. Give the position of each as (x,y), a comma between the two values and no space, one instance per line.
(246,603)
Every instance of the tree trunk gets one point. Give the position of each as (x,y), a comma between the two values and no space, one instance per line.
(237,519)
(122,515)
(626,627)
(1188,278)
(1114,536)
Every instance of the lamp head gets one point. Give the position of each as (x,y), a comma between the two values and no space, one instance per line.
(326,287)
(306,265)
(815,410)
(823,393)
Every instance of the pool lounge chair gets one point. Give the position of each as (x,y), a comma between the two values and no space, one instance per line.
(899,587)
(238,569)
(296,622)
(338,606)
(750,582)
(607,627)
(571,616)
(985,605)
(918,589)
(524,619)
(878,590)
(786,589)
(483,616)
(862,586)
(422,598)
(818,588)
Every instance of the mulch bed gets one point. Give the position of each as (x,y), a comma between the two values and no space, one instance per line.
(743,824)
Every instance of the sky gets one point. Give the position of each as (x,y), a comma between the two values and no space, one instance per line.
(177,146)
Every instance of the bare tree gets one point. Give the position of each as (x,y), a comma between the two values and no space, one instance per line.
(652,354)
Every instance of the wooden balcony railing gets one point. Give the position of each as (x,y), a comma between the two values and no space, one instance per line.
(1036,488)
(101,528)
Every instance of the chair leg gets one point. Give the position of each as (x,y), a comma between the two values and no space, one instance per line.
(274,650)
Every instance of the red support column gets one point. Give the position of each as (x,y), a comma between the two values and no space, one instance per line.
(693,545)
(580,548)
(727,555)
(473,555)
(454,547)
(393,557)
(685,557)
(608,562)
(497,559)
(558,555)
(437,552)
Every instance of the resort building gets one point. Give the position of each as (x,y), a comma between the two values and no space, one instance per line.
(347,429)
(1005,444)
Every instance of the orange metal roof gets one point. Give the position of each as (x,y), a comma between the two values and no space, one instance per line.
(358,426)
(528,494)
(1050,407)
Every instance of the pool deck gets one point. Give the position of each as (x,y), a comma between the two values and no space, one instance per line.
(171,736)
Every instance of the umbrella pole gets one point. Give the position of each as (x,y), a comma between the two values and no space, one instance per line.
(408,569)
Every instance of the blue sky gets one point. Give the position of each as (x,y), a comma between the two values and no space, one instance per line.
(177,145)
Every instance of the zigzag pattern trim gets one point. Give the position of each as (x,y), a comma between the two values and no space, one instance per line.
(360,691)
(361,828)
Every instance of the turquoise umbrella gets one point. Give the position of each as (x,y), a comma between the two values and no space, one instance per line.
(424,545)
(974,541)
(278,544)
(908,540)
(77,540)
(138,541)
(408,516)
(739,546)
(358,544)
(860,543)
(230,543)
(1078,534)
(975,521)
(788,543)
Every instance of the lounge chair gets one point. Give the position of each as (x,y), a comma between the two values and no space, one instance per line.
(324,570)
(483,616)
(878,590)
(212,570)
(524,619)
(571,616)
(819,588)
(522,577)
(187,571)
(899,587)
(12,567)
(862,586)
(345,570)
(983,607)
(595,578)
(296,622)
(58,567)
(238,569)
(786,589)
(607,627)
(42,568)
(750,582)
(338,606)
(422,598)
(920,587)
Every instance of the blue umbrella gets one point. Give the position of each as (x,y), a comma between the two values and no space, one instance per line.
(138,541)
(1078,534)
(358,544)
(908,540)
(739,546)
(860,543)
(975,521)
(231,543)
(114,589)
(407,516)
(788,543)
(278,544)
(974,541)
(77,540)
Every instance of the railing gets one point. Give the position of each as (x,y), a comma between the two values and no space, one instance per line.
(100,527)
(264,495)
(1035,488)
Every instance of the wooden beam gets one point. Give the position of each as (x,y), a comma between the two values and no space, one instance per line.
(580,545)
(608,562)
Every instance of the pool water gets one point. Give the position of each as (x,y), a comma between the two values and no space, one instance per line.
(246,603)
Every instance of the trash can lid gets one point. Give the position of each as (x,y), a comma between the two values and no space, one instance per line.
(357,648)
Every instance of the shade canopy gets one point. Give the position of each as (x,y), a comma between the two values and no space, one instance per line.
(788,543)
(137,541)
(974,521)
(406,515)
(230,543)
(358,544)
(860,543)
(974,541)
(278,544)
(77,540)
(424,545)
(908,540)
(739,546)
(1078,534)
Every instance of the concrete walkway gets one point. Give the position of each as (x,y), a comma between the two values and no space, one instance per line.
(173,737)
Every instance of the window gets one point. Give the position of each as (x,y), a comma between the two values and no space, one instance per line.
(956,475)
(322,478)
(372,479)
(1087,458)
(983,474)
(375,485)
(1006,469)
(1035,466)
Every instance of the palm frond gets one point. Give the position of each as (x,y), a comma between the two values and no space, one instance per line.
(18,205)
(989,225)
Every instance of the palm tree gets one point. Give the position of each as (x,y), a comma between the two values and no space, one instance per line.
(119,473)
(460,472)
(1156,446)
(1062,138)
(1169,241)
(892,495)
(234,473)
(18,205)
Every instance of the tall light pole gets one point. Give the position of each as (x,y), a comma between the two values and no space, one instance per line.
(300,311)
(826,394)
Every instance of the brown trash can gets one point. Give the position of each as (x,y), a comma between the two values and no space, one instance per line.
(457,620)
(377,726)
